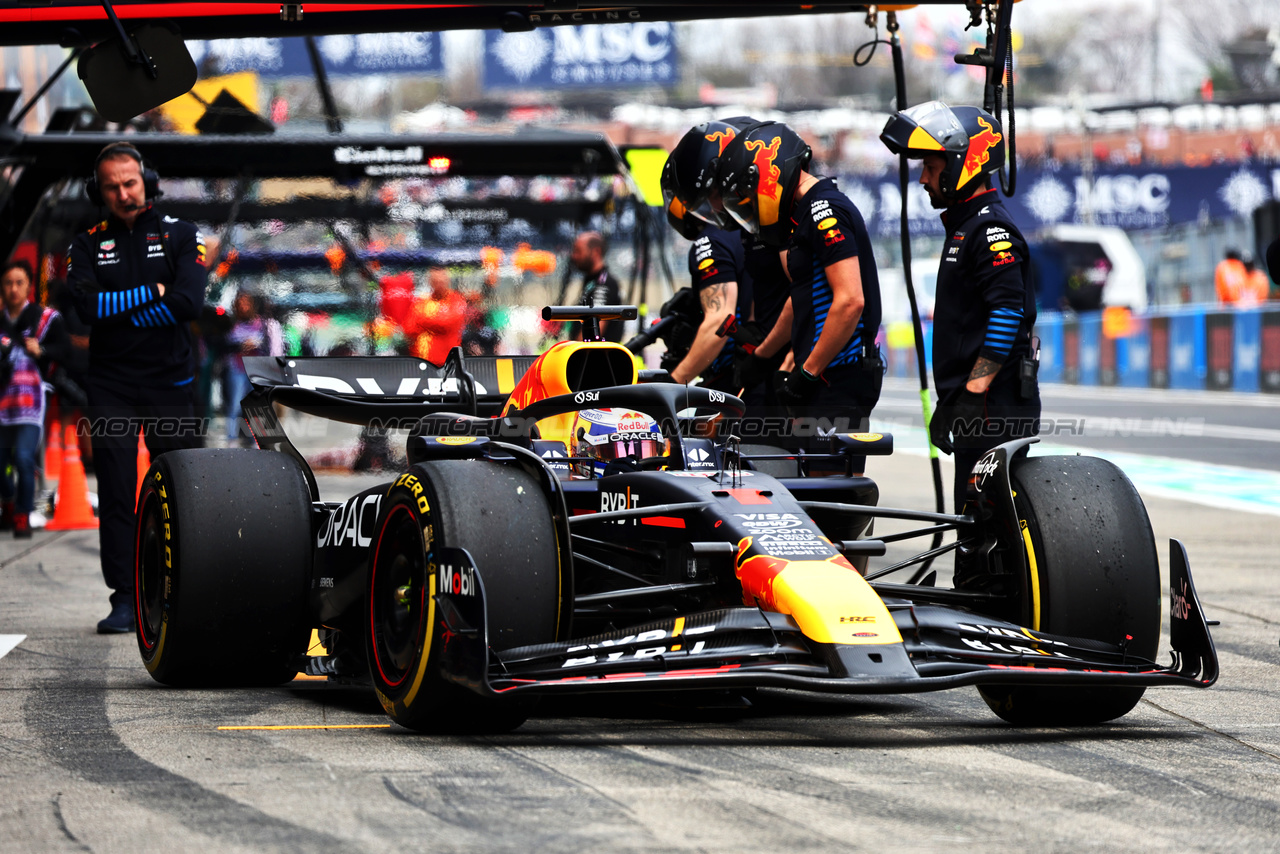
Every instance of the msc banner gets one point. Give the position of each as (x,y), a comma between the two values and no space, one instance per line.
(1133,197)
(627,54)
(366,53)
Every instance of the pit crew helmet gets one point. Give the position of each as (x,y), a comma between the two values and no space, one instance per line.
(688,176)
(970,139)
(758,176)
(606,435)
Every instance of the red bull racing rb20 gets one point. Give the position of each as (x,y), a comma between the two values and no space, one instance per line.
(565,527)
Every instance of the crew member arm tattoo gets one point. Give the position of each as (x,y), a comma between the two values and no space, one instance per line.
(984,371)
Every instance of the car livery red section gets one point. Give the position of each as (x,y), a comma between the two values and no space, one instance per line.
(757,574)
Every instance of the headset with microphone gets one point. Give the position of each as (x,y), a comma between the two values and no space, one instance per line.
(150,180)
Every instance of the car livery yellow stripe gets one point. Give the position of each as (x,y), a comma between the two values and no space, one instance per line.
(833,604)
(506,376)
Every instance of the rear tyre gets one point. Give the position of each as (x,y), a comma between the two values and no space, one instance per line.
(223,552)
(1095,574)
(499,514)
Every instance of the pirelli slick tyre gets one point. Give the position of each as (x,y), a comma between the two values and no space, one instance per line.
(499,514)
(221,565)
(1094,573)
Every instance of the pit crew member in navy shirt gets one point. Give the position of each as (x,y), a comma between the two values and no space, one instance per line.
(138,278)
(984,364)
(834,311)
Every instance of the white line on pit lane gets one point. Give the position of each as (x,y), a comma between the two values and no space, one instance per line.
(1207,484)
(1125,427)
(8,642)
(1120,393)
(1109,425)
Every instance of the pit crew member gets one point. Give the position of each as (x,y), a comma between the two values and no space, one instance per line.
(138,278)
(983,361)
(834,312)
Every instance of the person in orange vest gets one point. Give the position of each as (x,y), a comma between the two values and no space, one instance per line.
(31,338)
(1229,278)
(434,326)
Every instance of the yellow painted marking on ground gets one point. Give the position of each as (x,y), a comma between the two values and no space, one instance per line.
(312,726)
(305,677)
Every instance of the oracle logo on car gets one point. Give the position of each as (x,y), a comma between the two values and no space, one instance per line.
(351,523)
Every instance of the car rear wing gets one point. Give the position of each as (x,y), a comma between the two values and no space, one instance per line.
(357,388)
(376,392)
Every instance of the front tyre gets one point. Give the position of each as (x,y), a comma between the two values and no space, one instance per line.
(1093,573)
(499,514)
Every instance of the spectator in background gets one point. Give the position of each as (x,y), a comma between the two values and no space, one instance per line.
(599,286)
(1229,278)
(71,396)
(31,339)
(434,325)
(1255,287)
(251,335)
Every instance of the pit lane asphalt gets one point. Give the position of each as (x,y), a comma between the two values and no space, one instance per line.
(1220,428)
(94,756)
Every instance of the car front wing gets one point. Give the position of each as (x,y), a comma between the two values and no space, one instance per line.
(740,647)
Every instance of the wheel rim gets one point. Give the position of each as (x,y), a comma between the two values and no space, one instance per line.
(151,572)
(398,596)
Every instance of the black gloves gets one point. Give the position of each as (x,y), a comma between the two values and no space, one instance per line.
(798,387)
(966,415)
(749,370)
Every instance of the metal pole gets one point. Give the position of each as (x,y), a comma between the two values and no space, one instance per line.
(904,183)
(53,78)
(331,117)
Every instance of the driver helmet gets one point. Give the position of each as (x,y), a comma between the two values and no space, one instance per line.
(970,139)
(688,176)
(759,174)
(606,435)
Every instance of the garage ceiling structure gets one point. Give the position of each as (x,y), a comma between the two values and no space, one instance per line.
(72,22)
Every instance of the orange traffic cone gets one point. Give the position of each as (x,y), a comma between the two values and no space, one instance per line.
(144,463)
(53,446)
(72,512)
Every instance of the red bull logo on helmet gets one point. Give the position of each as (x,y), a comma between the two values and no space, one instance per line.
(724,137)
(768,190)
(979,154)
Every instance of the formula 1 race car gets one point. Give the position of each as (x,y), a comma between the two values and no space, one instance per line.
(565,527)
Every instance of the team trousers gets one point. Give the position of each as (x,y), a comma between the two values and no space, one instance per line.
(115,416)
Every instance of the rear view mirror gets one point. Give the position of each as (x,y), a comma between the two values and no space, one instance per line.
(127,78)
